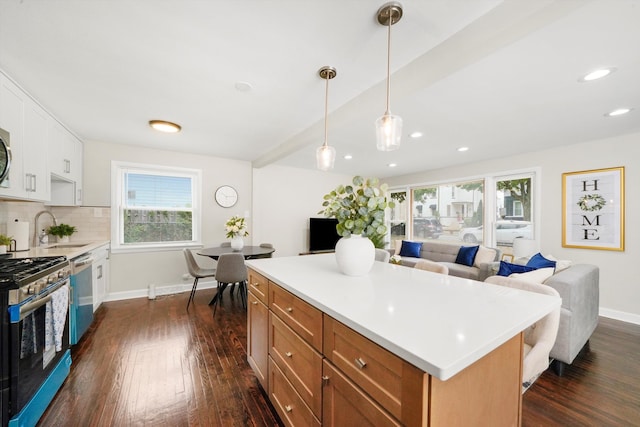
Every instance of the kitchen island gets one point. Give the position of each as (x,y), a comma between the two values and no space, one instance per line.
(398,346)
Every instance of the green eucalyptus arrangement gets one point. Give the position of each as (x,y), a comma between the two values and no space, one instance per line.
(359,209)
(61,230)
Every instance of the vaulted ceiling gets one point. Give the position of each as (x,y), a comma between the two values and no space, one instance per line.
(498,77)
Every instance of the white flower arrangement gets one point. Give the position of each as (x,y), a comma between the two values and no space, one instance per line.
(236,226)
(395,259)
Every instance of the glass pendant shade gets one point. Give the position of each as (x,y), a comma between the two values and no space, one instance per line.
(388,132)
(325,157)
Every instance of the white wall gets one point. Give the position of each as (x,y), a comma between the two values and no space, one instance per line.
(135,271)
(284,198)
(619,278)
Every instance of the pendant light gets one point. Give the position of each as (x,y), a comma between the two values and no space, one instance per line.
(389,126)
(326,155)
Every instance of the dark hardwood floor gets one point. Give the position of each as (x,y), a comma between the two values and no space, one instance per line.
(153,363)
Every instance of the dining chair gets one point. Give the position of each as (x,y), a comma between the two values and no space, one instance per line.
(425,264)
(382,255)
(230,270)
(225,244)
(540,337)
(197,272)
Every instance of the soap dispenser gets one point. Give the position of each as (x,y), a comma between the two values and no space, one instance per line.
(43,238)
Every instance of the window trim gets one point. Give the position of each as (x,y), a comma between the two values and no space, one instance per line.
(118,169)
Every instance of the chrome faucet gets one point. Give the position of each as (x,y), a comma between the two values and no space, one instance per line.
(37,241)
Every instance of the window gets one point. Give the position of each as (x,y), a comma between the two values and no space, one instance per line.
(398,216)
(492,210)
(154,207)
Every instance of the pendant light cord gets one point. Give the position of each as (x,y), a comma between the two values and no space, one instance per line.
(326,108)
(389,64)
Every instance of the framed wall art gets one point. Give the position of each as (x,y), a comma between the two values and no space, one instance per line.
(593,209)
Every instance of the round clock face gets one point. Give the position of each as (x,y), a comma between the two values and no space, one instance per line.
(226,196)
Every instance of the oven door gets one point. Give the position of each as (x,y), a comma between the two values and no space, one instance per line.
(39,334)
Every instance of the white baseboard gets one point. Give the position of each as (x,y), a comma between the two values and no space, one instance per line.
(159,290)
(620,315)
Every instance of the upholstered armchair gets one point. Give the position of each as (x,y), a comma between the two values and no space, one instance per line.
(541,336)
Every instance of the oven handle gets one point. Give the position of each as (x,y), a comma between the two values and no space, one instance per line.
(27,308)
(19,312)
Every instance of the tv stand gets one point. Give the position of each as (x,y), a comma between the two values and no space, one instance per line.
(328,251)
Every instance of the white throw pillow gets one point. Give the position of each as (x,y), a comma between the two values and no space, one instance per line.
(561,264)
(535,276)
(484,255)
(398,247)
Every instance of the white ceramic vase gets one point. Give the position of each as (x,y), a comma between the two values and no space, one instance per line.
(237,243)
(355,255)
(63,239)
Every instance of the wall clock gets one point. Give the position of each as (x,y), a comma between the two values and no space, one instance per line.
(226,196)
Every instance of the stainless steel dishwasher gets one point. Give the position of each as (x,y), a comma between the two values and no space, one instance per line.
(81,313)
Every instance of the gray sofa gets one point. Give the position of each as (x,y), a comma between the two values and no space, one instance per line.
(579,289)
(446,253)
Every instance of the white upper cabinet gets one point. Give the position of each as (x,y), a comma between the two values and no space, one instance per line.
(26,123)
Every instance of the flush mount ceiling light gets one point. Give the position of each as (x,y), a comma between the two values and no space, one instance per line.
(415,134)
(326,155)
(596,74)
(389,126)
(348,157)
(463,149)
(618,112)
(164,126)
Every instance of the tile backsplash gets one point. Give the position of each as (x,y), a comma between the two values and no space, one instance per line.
(92,223)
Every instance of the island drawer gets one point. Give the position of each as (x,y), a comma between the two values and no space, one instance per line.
(398,386)
(259,286)
(300,316)
(299,362)
(289,405)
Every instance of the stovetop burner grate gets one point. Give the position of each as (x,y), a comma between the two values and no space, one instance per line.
(18,269)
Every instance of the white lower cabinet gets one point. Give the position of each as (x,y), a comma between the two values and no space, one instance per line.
(100,274)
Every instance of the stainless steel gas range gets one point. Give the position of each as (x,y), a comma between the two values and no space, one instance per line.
(34,336)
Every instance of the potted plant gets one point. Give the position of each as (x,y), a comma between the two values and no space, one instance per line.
(5,242)
(61,231)
(236,228)
(359,209)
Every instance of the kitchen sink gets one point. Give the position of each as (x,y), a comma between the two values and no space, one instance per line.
(65,245)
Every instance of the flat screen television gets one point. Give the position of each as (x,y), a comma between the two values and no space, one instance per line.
(322,234)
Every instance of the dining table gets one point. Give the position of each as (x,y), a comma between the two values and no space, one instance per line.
(249,252)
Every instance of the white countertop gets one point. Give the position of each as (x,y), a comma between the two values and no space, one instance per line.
(439,323)
(71,250)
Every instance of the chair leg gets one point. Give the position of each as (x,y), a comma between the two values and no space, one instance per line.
(242,290)
(218,296)
(193,292)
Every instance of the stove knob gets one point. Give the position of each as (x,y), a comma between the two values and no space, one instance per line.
(25,290)
(52,278)
(30,290)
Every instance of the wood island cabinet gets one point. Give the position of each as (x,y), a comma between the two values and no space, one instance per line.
(258,327)
(319,372)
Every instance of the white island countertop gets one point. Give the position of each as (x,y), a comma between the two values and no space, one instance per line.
(439,323)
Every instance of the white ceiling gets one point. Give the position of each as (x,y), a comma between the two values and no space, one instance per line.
(498,77)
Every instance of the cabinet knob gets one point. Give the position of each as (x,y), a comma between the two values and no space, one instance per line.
(361,363)
(254,302)
(289,309)
(325,380)
(288,354)
(256,284)
(288,408)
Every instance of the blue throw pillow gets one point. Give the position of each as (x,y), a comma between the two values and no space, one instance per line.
(507,268)
(466,255)
(538,261)
(411,249)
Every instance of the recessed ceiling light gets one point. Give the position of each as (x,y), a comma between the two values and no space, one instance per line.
(597,74)
(164,126)
(618,112)
(415,134)
(392,165)
(348,157)
(243,86)
(461,149)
